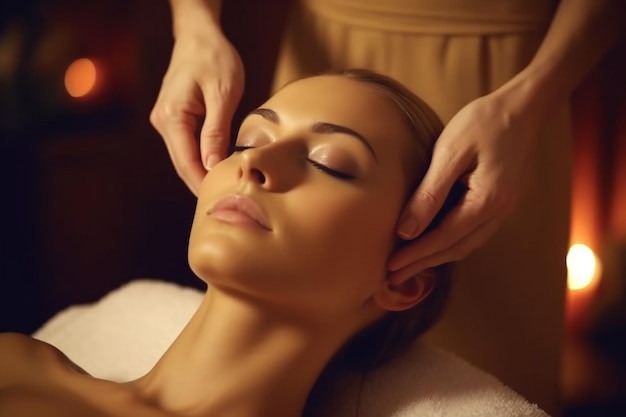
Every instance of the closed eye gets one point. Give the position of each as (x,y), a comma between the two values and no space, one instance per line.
(315,164)
(330,171)
(239,148)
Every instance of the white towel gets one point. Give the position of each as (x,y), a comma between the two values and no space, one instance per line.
(122,336)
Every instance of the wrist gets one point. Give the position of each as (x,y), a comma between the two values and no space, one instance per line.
(195,18)
(532,96)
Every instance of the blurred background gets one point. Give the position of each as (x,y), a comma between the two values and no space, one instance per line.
(90,200)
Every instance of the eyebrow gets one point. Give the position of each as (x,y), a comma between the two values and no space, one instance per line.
(317,127)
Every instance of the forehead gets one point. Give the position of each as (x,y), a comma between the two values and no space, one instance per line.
(346,102)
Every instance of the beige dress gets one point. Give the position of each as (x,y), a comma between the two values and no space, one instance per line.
(506,310)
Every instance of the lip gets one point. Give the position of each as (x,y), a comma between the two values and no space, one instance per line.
(241,210)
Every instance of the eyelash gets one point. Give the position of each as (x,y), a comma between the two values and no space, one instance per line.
(337,174)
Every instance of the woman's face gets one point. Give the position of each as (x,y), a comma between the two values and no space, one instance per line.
(303,213)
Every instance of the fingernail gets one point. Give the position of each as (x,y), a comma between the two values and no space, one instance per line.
(407,228)
(211,161)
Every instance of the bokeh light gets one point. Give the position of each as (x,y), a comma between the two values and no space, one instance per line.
(582,267)
(80,77)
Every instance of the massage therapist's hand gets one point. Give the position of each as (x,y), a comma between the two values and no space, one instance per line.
(486,147)
(201,88)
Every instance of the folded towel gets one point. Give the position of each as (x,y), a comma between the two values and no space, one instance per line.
(123,335)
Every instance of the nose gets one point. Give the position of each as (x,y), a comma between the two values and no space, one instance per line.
(260,176)
(273,167)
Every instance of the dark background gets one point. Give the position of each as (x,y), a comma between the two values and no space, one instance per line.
(90,200)
(89,196)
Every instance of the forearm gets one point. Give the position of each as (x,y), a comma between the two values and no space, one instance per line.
(581,33)
(196,17)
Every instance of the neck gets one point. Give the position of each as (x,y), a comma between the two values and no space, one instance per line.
(236,358)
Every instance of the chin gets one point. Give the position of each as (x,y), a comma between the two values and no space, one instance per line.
(213,261)
(231,261)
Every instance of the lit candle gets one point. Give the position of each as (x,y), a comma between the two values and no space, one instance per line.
(583,272)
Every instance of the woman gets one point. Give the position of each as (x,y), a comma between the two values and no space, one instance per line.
(278,236)
(499,73)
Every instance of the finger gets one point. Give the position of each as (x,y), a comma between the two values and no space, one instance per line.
(456,252)
(445,169)
(186,158)
(177,129)
(215,134)
(460,221)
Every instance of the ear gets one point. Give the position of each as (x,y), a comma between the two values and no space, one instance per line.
(407,294)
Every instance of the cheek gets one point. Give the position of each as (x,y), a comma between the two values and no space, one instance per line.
(357,214)
(208,242)
(344,234)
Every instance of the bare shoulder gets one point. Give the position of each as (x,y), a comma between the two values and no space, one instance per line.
(16,342)
(22,357)
(37,379)
(14,349)
(23,364)
(20,344)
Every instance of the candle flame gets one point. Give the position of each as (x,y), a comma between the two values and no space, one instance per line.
(582,267)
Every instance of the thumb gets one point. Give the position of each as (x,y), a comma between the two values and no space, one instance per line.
(215,133)
(430,196)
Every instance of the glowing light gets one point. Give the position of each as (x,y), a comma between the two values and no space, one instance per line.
(80,77)
(582,267)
